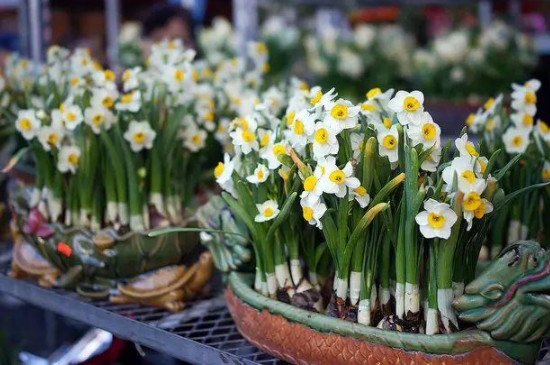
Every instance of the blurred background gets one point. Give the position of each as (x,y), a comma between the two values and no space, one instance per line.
(458,52)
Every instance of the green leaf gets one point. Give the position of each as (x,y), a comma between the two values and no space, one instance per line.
(508,198)
(388,188)
(361,227)
(491,164)
(241,212)
(285,210)
(500,174)
(166,230)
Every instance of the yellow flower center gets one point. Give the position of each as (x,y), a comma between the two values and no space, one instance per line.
(339,111)
(268,212)
(527,120)
(25,124)
(373,92)
(278,149)
(98,119)
(337,176)
(517,141)
(389,142)
(307,213)
(303,86)
(479,212)
(299,127)
(266,67)
(543,127)
(126,98)
(321,136)
(73,158)
(368,107)
(209,116)
(109,75)
(126,75)
(470,119)
(290,117)
(107,102)
(411,104)
(471,149)
(428,130)
(309,183)
(247,136)
(490,124)
(71,117)
(472,201)
(260,174)
(195,74)
(530,97)
(361,191)
(482,165)
(546,174)
(387,122)
(139,137)
(489,103)
(74,81)
(179,75)
(436,220)
(261,47)
(315,99)
(264,141)
(196,139)
(218,170)
(53,138)
(469,176)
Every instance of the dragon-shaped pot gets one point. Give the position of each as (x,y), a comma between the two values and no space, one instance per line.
(508,305)
(91,262)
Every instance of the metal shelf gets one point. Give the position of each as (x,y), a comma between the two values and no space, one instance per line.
(203,333)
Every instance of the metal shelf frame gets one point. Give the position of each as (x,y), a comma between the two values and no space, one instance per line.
(202,333)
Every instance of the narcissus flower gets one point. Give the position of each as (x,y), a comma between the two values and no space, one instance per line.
(267,211)
(72,116)
(360,195)
(51,136)
(194,138)
(388,142)
(272,153)
(324,141)
(436,220)
(317,99)
(341,114)
(516,140)
(313,212)
(336,181)
(523,120)
(129,102)
(408,106)
(261,173)
(68,158)
(472,200)
(140,135)
(27,124)
(425,132)
(99,117)
(524,98)
(485,207)
(466,147)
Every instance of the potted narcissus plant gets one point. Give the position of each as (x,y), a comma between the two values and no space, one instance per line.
(112,164)
(366,233)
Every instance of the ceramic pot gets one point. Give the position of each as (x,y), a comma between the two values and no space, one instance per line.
(508,302)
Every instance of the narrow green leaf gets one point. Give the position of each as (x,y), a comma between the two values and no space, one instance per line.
(500,173)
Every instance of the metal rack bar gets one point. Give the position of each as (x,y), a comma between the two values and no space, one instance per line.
(203,333)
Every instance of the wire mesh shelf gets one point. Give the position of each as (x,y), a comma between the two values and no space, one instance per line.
(202,333)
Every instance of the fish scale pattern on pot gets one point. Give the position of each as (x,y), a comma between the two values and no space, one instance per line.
(300,344)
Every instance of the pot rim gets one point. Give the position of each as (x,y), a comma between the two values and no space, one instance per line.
(451,344)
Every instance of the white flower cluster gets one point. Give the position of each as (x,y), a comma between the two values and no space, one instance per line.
(516,132)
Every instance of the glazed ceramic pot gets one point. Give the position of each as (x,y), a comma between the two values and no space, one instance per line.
(83,256)
(508,303)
